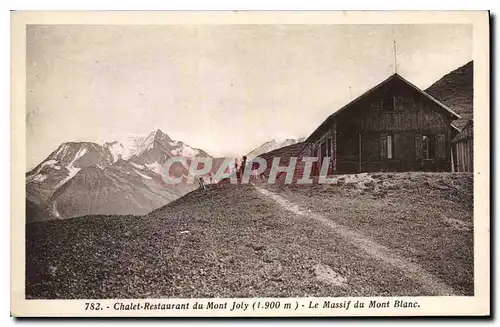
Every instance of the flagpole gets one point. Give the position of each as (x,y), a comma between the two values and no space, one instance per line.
(395,59)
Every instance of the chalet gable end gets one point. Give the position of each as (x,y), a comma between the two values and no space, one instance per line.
(392,127)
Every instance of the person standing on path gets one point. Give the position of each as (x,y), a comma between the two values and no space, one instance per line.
(201,182)
(243,166)
(236,170)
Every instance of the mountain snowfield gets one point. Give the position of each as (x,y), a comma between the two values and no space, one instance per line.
(116,178)
(272,145)
(130,146)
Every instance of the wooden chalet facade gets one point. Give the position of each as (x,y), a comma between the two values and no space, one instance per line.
(395,126)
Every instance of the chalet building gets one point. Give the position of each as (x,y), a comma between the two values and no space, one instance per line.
(395,126)
(462,154)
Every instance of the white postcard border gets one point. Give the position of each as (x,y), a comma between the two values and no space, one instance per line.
(479,304)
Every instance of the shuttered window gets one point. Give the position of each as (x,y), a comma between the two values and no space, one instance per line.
(390,146)
(425,146)
(418,146)
(399,103)
(383,146)
(429,146)
(441,146)
(387,146)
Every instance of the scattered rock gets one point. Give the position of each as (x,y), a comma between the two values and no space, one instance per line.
(52,270)
(326,274)
(257,247)
(269,255)
(369,184)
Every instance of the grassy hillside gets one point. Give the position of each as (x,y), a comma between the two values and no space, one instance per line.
(365,235)
(456,90)
(426,218)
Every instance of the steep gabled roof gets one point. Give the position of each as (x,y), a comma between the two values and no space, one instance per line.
(376,87)
(455,127)
(466,132)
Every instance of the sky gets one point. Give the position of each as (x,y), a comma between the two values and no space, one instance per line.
(223,88)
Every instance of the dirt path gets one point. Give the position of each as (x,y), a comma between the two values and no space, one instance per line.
(428,282)
(241,241)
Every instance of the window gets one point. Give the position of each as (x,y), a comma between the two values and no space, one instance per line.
(398,103)
(387,146)
(428,147)
(388,104)
(315,164)
(390,146)
(323,150)
(441,146)
(317,153)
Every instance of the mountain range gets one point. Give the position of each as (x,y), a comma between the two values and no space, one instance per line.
(119,178)
(122,177)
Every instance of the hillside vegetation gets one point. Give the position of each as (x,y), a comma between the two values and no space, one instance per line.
(365,235)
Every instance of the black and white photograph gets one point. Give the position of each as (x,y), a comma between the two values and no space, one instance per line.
(252,165)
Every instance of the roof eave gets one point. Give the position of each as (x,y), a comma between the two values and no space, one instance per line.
(439,103)
(430,97)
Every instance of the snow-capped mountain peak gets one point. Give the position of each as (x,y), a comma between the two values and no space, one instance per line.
(271,145)
(100,176)
(157,141)
(124,147)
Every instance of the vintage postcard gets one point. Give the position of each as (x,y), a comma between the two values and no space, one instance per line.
(188,164)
